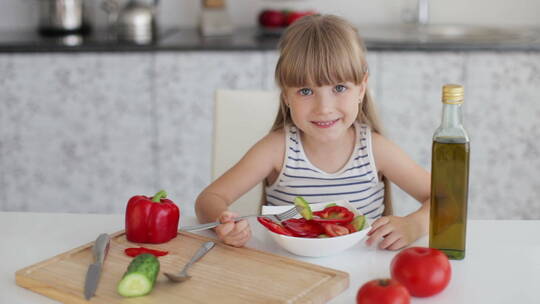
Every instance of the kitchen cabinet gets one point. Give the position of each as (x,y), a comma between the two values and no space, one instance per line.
(98,128)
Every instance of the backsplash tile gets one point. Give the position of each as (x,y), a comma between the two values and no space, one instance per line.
(409,102)
(504,118)
(184,106)
(84,132)
(77,132)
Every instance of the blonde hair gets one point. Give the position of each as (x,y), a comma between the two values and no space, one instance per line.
(324,50)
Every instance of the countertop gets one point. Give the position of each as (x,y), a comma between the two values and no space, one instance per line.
(377,38)
(501,265)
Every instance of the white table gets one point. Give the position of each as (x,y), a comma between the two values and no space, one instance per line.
(502,263)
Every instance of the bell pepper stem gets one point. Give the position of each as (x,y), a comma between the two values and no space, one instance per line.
(157,198)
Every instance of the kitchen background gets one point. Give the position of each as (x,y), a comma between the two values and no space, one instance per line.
(17,14)
(84,131)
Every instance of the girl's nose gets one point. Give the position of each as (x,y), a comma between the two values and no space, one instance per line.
(325,103)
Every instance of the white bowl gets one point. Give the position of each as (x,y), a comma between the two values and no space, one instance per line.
(317,247)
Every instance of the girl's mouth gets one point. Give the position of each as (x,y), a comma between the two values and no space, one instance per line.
(325,123)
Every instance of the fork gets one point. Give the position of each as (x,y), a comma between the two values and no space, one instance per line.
(183,275)
(280,217)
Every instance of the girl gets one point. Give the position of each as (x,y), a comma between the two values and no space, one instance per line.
(326,142)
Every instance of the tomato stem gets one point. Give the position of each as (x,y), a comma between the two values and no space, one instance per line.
(384,282)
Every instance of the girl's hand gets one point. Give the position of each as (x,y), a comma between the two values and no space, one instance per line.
(396,232)
(231,233)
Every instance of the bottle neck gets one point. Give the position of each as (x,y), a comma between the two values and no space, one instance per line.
(451,116)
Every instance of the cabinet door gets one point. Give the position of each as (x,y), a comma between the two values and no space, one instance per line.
(76,131)
(186,83)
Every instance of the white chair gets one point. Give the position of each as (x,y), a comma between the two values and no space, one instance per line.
(241,118)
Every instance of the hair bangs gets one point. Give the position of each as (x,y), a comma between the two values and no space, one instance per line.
(318,56)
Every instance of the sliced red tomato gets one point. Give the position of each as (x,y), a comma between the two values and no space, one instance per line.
(350,227)
(334,229)
(303,228)
(274,227)
(133,252)
(333,215)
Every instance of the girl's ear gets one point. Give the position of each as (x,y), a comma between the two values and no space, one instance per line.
(284,98)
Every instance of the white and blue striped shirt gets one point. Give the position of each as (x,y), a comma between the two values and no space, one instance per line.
(357,181)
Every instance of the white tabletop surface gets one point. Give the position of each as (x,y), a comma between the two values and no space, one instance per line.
(502,264)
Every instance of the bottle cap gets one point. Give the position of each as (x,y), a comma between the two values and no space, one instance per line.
(452,94)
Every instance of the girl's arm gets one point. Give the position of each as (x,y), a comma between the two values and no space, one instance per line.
(401,170)
(265,156)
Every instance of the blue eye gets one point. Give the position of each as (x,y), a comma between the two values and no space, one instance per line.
(340,88)
(305,91)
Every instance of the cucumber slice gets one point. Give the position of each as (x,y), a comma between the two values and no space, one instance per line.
(330,205)
(359,222)
(303,207)
(140,276)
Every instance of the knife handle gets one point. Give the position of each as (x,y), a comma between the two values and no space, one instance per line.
(101,247)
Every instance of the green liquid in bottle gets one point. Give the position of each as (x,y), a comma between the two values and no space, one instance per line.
(449,191)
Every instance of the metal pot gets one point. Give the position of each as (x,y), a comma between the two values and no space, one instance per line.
(135,22)
(62,17)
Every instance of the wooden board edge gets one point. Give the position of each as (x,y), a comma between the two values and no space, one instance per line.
(48,290)
(337,285)
(25,270)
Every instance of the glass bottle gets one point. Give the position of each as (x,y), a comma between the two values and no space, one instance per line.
(450,178)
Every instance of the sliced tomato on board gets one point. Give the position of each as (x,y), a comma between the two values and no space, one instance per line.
(274,227)
(303,228)
(335,229)
(333,215)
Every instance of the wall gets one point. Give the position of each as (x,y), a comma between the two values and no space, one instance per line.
(23,14)
(84,132)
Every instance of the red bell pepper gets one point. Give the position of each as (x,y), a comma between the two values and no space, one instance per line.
(133,252)
(151,219)
(333,215)
(274,227)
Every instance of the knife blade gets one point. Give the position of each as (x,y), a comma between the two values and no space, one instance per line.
(93,274)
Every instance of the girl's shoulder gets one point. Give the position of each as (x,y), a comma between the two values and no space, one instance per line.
(275,136)
(272,146)
(273,142)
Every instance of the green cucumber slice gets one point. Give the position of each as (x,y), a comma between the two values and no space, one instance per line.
(359,222)
(303,207)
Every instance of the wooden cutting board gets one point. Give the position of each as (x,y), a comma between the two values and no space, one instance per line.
(225,275)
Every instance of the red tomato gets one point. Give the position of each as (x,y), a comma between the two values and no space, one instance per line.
(272,18)
(333,215)
(424,271)
(273,226)
(335,229)
(303,228)
(350,227)
(383,291)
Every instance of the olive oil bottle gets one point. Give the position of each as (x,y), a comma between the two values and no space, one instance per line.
(450,178)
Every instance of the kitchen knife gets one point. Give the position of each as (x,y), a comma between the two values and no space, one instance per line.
(99,251)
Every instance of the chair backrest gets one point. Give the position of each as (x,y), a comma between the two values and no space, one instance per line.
(241,118)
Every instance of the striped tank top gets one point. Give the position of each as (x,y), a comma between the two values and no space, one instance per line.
(357,181)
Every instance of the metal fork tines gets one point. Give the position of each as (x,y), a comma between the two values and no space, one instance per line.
(280,217)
